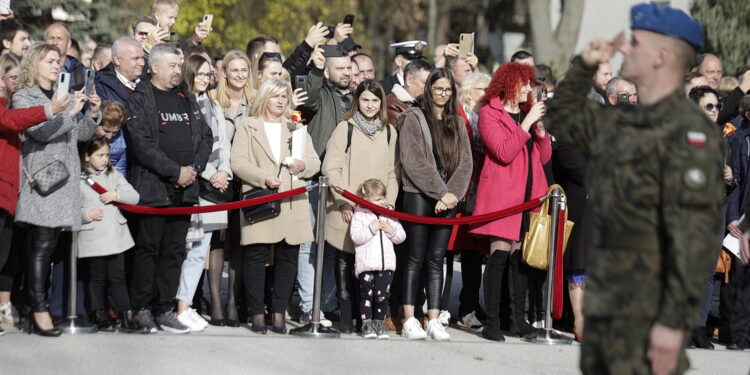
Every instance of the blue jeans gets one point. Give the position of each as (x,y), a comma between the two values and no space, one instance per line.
(192,268)
(306,268)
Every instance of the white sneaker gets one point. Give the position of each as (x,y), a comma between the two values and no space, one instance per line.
(538,324)
(198,319)
(436,331)
(412,330)
(186,320)
(470,322)
(8,313)
(444,318)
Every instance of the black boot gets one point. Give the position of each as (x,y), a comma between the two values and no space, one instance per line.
(519,276)
(129,324)
(345,309)
(700,340)
(102,321)
(493,276)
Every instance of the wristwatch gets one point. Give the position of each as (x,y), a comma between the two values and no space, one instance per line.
(197,168)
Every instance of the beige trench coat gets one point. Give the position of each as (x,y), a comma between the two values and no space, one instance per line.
(252,161)
(368,157)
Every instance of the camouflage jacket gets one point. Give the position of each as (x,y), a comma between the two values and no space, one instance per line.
(655,182)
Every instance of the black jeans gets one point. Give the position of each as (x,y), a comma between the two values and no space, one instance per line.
(427,244)
(374,288)
(740,323)
(157,260)
(471,278)
(43,244)
(254,275)
(107,268)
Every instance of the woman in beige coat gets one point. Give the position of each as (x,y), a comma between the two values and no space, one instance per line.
(362,147)
(261,158)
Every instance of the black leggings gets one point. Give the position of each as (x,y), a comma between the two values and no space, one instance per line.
(108,268)
(374,288)
(427,244)
(254,275)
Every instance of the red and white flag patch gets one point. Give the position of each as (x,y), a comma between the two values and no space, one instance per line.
(697,138)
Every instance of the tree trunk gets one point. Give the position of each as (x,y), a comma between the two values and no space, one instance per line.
(555,47)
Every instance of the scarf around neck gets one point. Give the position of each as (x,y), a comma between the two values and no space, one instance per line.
(368,127)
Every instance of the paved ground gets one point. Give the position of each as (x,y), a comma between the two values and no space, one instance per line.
(222,350)
(238,351)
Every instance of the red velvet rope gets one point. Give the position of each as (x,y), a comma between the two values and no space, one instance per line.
(557,300)
(443,221)
(202,209)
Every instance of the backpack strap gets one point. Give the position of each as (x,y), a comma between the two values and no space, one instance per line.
(350,130)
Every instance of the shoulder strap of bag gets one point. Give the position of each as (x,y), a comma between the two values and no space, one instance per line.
(350,131)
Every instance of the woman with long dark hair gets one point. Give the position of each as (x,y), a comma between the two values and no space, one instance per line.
(516,148)
(436,168)
(364,127)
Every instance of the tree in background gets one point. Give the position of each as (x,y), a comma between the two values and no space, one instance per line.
(727,25)
(555,47)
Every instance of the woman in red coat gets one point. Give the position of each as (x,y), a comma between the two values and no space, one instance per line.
(516,147)
(12,121)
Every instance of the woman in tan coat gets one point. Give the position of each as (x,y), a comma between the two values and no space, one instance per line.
(261,158)
(362,147)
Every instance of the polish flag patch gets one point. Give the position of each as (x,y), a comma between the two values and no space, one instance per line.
(697,138)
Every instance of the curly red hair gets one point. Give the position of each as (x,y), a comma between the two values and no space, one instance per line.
(507,80)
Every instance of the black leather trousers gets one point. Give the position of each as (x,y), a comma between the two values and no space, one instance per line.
(43,244)
(427,244)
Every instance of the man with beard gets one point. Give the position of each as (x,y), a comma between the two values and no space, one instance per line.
(169,143)
(655,181)
(329,95)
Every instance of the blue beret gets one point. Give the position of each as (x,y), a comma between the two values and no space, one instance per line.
(668,21)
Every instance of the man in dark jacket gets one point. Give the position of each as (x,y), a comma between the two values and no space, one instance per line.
(169,144)
(116,82)
(58,35)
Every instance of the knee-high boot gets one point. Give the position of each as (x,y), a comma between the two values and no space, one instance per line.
(519,275)
(493,276)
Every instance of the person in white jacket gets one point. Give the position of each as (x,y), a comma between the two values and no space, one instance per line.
(374,236)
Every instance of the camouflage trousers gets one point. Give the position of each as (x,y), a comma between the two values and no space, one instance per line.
(618,346)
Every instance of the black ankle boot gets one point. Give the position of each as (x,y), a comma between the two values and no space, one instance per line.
(519,276)
(700,340)
(102,321)
(129,324)
(493,277)
(345,310)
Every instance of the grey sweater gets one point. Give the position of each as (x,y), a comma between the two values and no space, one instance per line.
(54,139)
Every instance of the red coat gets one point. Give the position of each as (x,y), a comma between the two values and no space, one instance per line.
(503,177)
(13,121)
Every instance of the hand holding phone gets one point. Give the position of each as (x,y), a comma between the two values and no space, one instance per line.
(465,45)
(208,19)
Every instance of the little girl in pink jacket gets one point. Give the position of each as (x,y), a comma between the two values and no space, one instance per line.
(374,236)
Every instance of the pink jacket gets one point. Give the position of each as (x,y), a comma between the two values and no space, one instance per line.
(374,251)
(503,179)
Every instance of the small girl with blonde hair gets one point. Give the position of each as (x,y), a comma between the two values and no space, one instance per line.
(375,261)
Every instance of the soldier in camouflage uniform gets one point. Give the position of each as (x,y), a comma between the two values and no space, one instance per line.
(655,181)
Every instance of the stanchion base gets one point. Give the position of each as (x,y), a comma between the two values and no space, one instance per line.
(73,326)
(548,337)
(315,330)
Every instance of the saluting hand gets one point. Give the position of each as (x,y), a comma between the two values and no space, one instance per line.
(601,50)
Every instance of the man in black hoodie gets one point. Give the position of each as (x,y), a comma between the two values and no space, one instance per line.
(168,144)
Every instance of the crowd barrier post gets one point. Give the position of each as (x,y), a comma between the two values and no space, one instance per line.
(549,336)
(314,329)
(70,324)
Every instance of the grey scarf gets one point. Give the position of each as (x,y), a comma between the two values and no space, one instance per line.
(368,127)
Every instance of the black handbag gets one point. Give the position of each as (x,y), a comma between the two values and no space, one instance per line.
(214,195)
(260,212)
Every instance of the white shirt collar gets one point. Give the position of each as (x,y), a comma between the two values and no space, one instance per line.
(128,83)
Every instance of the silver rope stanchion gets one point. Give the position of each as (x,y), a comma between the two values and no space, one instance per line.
(549,336)
(71,324)
(314,329)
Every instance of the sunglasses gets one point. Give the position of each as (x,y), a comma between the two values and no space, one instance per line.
(272,54)
(710,107)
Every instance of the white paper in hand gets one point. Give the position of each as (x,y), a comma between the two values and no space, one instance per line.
(299,142)
(732,243)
